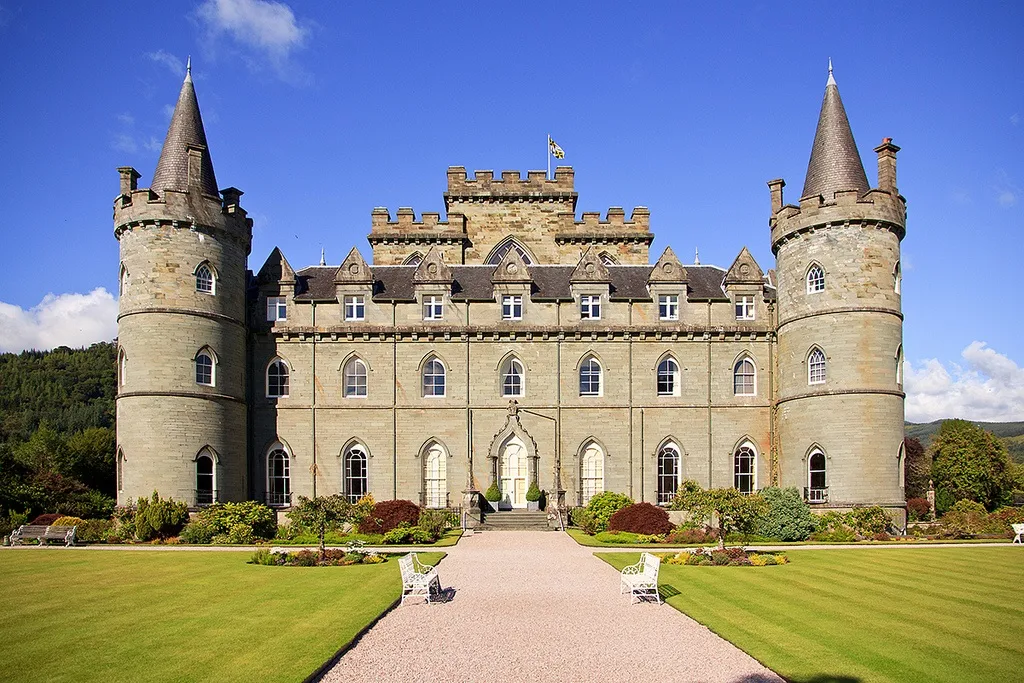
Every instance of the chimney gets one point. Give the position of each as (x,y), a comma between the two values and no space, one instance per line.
(129,179)
(775,186)
(887,166)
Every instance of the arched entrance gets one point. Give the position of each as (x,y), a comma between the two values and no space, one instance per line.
(513,468)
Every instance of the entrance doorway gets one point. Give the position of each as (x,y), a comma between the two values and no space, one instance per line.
(514,476)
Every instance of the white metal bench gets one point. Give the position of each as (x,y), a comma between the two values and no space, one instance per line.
(418,579)
(641,579)
(1018,530)
(43,534)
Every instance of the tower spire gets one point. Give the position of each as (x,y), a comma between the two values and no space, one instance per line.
(835,162)
(185,136)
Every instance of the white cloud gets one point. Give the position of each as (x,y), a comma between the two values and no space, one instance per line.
(990,387)
(1007,198)
(59,320)
(124,142)
(173,64)
(261,24)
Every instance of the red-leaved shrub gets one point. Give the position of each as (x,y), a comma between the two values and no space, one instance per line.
(691,536)
(918,508)
(389,514)
(640,518)
(47,520)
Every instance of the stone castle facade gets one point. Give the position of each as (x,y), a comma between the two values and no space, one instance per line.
(511,342)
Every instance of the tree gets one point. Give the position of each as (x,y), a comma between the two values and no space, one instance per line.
(969,463)
(917,468)
(731,510)
(317,514)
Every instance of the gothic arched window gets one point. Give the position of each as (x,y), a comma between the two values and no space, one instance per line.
(745,468)
(205,364)
(204,279)
(503,247)
(590,377)
(433,378)
(354,378)
(435,473)
(816,370)
(277,379)
(668,377)
(744,377)
(206,493)
(279,483)
(354,483)
(815,279)
(513,378)
(591,472)
(817,485)
(669,468)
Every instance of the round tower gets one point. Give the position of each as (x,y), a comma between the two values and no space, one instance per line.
(840,328)
(181,401)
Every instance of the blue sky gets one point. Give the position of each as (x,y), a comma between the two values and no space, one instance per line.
(321,111)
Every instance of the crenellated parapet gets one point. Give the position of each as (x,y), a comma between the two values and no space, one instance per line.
(614,228)
(511,186)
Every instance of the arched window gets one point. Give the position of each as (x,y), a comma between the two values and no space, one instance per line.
(668,377)
(204,279)
(897,278)
(123,282)
(119,473)
(435,473)
(817,486)
(591,472)
(815,279)
(354,378)
(354,483)
(744,377)
(901,464)
(279,484)
(590,377)
(608,259)
(122,367)
(816,372)
(206,494)
(433,378)
(414,259)
(899,365)
(205,364)
(277,379)
(513,378)
(669,468)
(499,251)
(745,468)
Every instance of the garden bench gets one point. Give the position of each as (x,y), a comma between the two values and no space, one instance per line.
(1018,529)
(641,579)
(417,578)
(43,534)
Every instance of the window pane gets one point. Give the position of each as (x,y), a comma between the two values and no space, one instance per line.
(590,378)
(743,479)
(668,474)
(433,378)
(355,474)
(204,280)
(204,369)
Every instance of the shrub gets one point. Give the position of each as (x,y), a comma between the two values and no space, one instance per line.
(407,534)
(67,521)
(266,558)
(159,518)
(303,558)
(435,522)
(533,493)
(623,537)
(94,530)
(787,517)
(687,497)
(585,520)
(390,514)
(943,501)
(604,505)
(870,520)
(46,520)
(918,510)
(641,518)
(684,535)
(492,494)
(965,519)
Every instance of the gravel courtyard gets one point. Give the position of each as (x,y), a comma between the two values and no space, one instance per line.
(533,605)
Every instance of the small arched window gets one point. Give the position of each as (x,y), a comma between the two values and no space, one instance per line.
(607,259)
(119,473)
(669,468)
(435,473)
(205,366)
(206,493)
(591,472)
(433,378)
(277,379)
(815,279)
(354,483)
(816,370)
(513,378)
(745,468)
(122,368)
(668,377)
(590,377)
(899,365)
(279,483)
(204,279)
(123,282)
(744,377)
(817,486)
(503,247)
(354,378)
(897,278)
(414,259)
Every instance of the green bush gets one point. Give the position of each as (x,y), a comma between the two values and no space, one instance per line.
(159,518)
(585,520)
(266,558)
(533,493)
(67,521)
(407,534)
(492,494)
(243,523)
(435,522)
(94,530)
(870,521)
(624,537)
(604,505)
(944,500)
(787,517)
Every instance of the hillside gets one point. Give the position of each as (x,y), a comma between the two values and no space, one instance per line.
(1012,434)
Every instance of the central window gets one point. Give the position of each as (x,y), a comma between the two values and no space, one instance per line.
(590,378)
(668,473)
(816,367)
(744,308)
(277,308)
(668,307)
(668,377)
(815,279)
(590,307)
(277,379)
(512,307)
(433,308)
(355,379)
(355,308)
(279,485)
(512,378)
(354,484)
(743,469)
(744,378)
(433,378)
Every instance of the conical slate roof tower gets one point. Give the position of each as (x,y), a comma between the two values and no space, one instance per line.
(835,163)
(185,133)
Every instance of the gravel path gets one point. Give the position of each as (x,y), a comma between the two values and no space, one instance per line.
(533,605)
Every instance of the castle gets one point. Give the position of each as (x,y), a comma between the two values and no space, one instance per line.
(510,343)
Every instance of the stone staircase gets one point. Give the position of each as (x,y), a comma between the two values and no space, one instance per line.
(508,520)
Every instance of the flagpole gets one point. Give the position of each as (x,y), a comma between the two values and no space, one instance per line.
(548,152)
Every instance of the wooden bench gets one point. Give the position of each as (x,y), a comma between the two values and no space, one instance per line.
(43,534)
(418,579)
(641,579)
(1018,530)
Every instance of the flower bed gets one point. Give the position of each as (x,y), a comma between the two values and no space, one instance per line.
(730,557)
(307,558)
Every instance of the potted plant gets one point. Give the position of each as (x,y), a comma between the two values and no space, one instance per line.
(533,495)
(493,495)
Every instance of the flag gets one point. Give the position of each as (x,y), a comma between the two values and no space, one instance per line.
(556,151)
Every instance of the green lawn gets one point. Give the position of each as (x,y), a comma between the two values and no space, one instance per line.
(82,615)
(937,614)
(595,542)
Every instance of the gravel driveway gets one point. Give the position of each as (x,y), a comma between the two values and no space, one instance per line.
(533,605)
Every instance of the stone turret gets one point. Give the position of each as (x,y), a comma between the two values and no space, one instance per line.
(181,402)
(840,327)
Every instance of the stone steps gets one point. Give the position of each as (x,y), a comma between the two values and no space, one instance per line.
(515,520)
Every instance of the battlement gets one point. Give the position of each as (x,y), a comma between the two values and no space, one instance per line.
(510,186)
(405,222)
(876,206)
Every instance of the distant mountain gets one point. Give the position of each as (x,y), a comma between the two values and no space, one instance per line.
(1012,434)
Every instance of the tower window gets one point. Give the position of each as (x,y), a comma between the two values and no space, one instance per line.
(744,308)
(204,279)
(897,278)
(279,483)
(590,378)
(816,367)
(817,487)
(512,376)
(744,462)
(277,308)
(668,473)
(815,279)
(744,378)
(512,307)
(204,368)
(668,377)
(123,288)
(122,368)
(355,379)
(433,308)
(668,307)
(355,482)
(277,379)
(433,378)
(899,365)
(205,493)
(590,307)
(355,308)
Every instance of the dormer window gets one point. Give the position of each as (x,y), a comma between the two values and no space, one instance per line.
(355,308)
(433,308)
(590,307)
(512,307)
(277,308)
(815,279)
(668,307)
(744,308)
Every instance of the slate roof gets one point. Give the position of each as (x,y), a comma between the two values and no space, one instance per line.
(835,163)
(473,283)
(186,129)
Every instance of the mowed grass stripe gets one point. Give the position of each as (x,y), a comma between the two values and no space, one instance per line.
(876,615)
